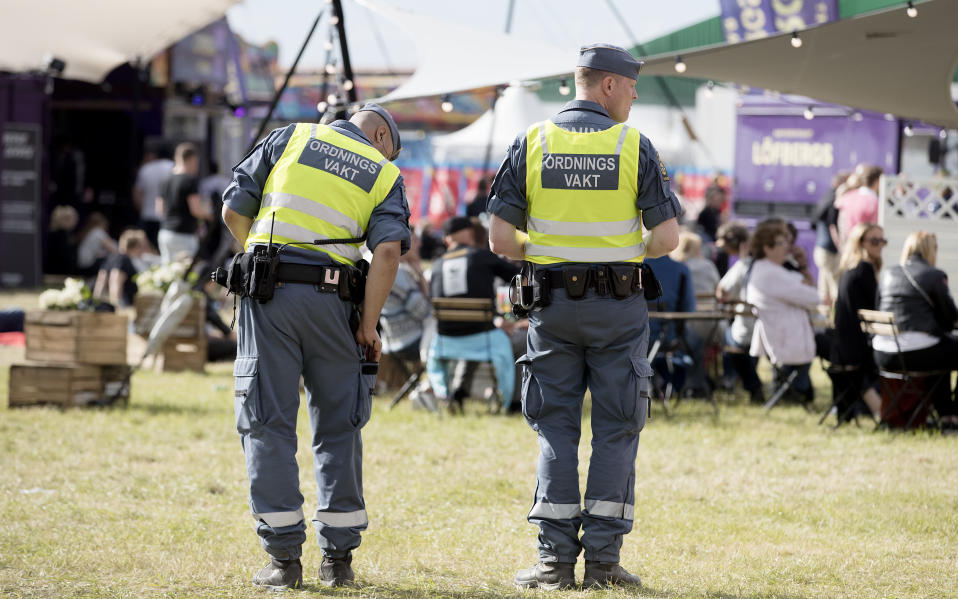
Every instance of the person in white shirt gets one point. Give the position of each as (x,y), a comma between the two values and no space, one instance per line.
(783,298)
(151,177)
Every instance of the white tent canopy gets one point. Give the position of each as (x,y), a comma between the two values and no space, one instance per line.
(517,108)
(95,36)
(455,57)
(883,61)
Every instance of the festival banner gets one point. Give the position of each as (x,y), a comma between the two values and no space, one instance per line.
(753,19)
(788,158)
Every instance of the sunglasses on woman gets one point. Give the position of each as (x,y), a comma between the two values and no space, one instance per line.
(877,241)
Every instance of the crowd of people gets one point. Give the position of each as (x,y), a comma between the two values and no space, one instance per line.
(179,220)
(796,318)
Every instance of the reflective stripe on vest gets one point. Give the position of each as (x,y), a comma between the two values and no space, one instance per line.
(581,190)
(324,186)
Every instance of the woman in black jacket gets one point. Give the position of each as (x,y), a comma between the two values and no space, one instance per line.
(925,313)
(857,289)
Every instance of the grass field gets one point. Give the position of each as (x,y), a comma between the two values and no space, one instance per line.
(151,501)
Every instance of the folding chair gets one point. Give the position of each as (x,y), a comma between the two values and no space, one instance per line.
(846,392)
(468,309)
(874,322)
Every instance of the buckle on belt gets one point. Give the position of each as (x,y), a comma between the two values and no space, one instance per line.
(330,282)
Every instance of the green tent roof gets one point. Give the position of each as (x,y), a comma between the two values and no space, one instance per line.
(704,33)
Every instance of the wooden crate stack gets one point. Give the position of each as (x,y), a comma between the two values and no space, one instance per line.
(74,358)
(186,347)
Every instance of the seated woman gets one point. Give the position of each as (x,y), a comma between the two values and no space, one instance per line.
(783,331)
(114,281)
(95,244)
(406,309)
(925,313)
(857,287)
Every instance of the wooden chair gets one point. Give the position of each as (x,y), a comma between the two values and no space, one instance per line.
(874,322)
(470,309)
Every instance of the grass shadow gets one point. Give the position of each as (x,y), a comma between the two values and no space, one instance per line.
(158,409)
(496,591)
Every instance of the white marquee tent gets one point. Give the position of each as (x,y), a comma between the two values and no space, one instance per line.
(95,36)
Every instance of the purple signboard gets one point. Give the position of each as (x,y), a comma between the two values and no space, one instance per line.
(753,19)
(201,58)
(788,158)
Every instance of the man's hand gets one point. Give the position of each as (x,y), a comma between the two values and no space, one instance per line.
(367,337)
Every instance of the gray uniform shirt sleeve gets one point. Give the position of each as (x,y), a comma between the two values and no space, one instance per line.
(656,200)
(245,193)
(389,221)
(507,198)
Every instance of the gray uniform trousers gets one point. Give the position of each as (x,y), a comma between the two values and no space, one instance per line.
(600,343)
(302,331)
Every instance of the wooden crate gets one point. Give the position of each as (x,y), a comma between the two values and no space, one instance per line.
(181,353)
(147,308)
(76,337)
(65,385)
(186,348)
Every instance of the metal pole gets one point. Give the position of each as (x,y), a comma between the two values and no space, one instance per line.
(289,74)
(344,51)
(509,11)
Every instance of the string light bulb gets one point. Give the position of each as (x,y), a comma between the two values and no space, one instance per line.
(564,88)
(796,40)
(348,84)
(328,45)
(446,104)
(680,65)
(334,20)
(332,99)
(908,130)
(911,11)
(708,88)
(321,107)
(809,113)
(943,134)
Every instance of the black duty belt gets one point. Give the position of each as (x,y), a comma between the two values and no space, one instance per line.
(344,280)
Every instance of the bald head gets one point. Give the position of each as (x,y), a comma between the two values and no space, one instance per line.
(378,126)
(369,122)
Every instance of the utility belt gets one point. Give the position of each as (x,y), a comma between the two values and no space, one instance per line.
(256,275)
(532,288)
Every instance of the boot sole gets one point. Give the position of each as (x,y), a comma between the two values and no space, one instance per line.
(338,583)
(546,586)
(279,588)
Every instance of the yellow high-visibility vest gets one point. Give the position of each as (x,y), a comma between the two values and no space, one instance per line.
(324,186)
(581,190)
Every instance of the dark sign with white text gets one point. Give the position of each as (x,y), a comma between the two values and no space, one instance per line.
(580,171)
(352,167)
(20,205)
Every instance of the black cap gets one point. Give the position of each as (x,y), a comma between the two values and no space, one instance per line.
(456,224)
(606,57)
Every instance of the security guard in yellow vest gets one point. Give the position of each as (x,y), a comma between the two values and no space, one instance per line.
(571,199)
(321,189)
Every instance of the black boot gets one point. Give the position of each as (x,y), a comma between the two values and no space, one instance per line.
(548,576)
(280,574)
(599,574)
(337,571)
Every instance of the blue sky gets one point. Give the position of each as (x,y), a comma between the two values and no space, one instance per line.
(560,22)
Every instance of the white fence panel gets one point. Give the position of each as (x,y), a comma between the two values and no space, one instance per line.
(907,205)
